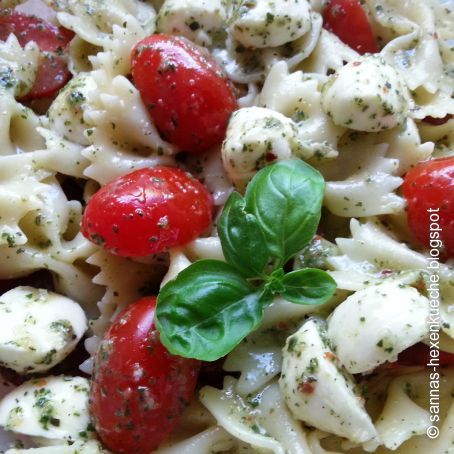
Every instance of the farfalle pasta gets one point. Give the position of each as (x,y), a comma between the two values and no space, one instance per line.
(333,377)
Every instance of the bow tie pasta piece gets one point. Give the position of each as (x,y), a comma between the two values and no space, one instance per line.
(53,408)
(260,420)
(247,65)
(366,95)
(113,25)
(368,191)
(94,20)
(375,324)
(330,54)
(79,447)
(66,113)
(265,23)
(414,40)
(18,126)
(201,21)
(298,96)
(317,391)
(39,329)
(255,137)
(401,417)
(108,115)
(18,66)
(419,45)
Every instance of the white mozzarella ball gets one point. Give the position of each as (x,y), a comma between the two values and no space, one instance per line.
(54,408)
(39,328)
(255,137)
(198,20)
(317,391)
(366,95)
(375,324)
(270,23)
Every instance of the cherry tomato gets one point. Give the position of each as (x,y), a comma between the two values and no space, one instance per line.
(438,121)
(51,40)
(419,355)
(348,21)
(430,186)
(139,389)
(28,28)
(185,91)
(147,211)
(52,75)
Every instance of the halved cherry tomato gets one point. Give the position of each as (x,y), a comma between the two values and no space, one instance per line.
(430,186)
(139,389)
(185,90)
(348,21)
(419,355)
(147,211)
(51,40)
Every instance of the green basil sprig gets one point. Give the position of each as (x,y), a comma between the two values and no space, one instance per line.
(212,306)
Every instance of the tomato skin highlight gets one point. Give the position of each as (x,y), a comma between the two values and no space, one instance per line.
(185,91)
(348,21)
(52,72)
(147,211)
(430,185)
(139,389)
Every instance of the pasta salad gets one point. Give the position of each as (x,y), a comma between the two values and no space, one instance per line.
(226,226)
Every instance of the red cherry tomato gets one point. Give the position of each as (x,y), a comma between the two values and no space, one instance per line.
(430,186)
(348,21)
(52,75)
(419,355)
(437,121)
(51,40)
(147,211)
(28,28)
(185,91)
(138,389)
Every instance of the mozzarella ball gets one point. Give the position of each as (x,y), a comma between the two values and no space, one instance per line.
(53,408)
(375,324)
(270,23)
(197,20)
(317,391)
(366,95)
(39,329)
(255,137)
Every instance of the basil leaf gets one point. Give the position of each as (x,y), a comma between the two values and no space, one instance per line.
(308,286)
(242,240)
(286,199)
(207,310)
